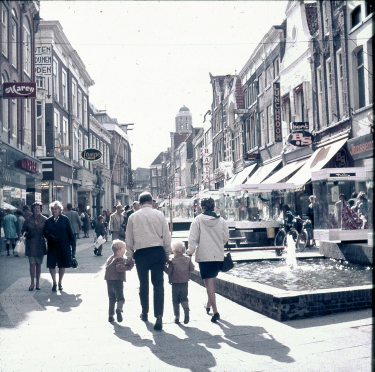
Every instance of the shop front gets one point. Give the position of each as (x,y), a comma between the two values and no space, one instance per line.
(57,183)
(20,179)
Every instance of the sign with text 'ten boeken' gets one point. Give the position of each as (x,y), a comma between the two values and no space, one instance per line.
(19,90)
(277,112)
(91,155)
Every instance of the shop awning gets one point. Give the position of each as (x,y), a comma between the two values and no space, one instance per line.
(263,172)
(316,162)
(241,176)
(285,171)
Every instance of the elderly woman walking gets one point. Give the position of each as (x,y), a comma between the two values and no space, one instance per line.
(35,243)
(61,243)
(207,236)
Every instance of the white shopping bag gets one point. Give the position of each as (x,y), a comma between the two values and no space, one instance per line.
(20,247)
(99,242)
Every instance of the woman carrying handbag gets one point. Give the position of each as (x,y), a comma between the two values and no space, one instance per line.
(35,243)
(207,236)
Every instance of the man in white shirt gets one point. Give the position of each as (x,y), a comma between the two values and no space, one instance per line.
(148,240)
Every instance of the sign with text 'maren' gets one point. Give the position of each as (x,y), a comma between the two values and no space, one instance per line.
(91,155)
(277,112)
(19,90)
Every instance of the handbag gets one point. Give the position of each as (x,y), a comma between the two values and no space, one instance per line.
(227,263)
(74,263)
(20,248)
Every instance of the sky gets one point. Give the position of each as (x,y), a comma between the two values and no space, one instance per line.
(150,58)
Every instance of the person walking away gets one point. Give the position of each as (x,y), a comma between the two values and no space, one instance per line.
(207,236)
(99,231)
(20,222)
(10,230)
(35,243)
(115,223)
(86,223)
(148,240)
(26,211)
(61,243)
(74,220)
(178,271)
(115,268)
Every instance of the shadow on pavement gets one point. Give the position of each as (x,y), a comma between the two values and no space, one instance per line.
(249,339)
(65,302)
(170,349)
(192,352)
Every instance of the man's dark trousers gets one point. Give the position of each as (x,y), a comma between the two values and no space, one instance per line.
(151,259)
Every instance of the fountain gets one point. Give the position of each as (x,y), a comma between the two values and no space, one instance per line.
(285,290)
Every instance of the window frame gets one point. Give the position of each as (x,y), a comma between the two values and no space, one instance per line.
(26,44)
(329,89)
(14,118)
(5,104)
(319,88)
(64,88)
(5,31)
(276,63)
(27,120)
(270,128)
(85,112)
(65,134)
(79,104)
(360,70)
(55,78)
(340,81)
(357,11)
(263,138)
(74,97)
(14,25)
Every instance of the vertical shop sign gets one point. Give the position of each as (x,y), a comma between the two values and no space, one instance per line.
(43,68)
(277,112)
(206,164)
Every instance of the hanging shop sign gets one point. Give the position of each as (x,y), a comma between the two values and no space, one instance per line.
(301,138)
(341,159)
(91,155)
(19,90)
(361,147)
(300,125)
(277,112)
(28,165)
(252,156)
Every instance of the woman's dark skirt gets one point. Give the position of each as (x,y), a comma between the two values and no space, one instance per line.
(210,269)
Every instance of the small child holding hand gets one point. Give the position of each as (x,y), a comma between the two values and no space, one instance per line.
(115,268)
(178,271)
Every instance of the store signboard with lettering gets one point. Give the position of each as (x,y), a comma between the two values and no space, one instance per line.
(361,147)
(301,138)
(91,155)
(19,90)
(277,112)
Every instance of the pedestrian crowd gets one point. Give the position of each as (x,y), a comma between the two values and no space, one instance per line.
(140,238)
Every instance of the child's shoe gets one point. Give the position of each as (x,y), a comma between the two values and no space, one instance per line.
(177,320)
(119,315)
(111,319)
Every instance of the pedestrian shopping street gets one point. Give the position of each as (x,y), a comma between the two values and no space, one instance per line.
(69,330)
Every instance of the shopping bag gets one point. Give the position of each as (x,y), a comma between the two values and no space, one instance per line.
(99,241)
(20,247)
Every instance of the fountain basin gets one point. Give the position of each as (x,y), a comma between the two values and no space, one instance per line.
(282,305)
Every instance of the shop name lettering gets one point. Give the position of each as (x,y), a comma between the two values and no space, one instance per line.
(363,147)
(277,112)
(19,89)
(92,155)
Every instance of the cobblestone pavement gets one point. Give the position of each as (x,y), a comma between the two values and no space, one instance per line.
(69,331)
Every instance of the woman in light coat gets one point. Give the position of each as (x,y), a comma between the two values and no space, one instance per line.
(207,236)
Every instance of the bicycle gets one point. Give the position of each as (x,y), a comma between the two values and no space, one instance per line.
(286,229)
(305,235)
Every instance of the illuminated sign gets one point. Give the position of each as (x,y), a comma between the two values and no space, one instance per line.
(91,155)
(28,165)
(277,112)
